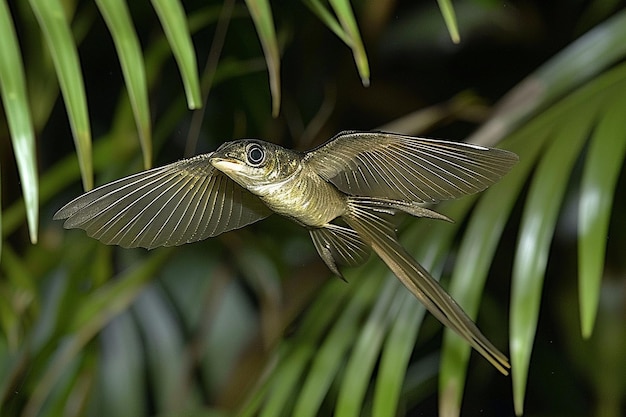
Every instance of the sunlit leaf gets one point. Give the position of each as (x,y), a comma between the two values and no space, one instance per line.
(261,14)
(533,245)
(115,13)
(447,11)
(344,13)
(58,36)
(602,168)
(365,353)
(333,349)
(319,8)
(172,17)
(475,257)
(582,60)
(15,101)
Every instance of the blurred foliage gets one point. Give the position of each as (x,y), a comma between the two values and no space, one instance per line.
(251,322)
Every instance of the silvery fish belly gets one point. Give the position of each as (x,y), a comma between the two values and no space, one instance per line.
(304,197)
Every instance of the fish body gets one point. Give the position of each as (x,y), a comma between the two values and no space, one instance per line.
(343,192)
(282,181)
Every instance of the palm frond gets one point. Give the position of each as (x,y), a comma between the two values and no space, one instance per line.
(92,330)
(262,17)
(575,122)
(356,339)
(93,315)
(51,17)
(607,150)
(447,11)
(15,101)
(343,24)
(548,145)
(174,21)
(117,17)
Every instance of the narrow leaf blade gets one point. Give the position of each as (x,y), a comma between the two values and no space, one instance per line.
(366,351)
(15,101)
(319,8)
(261,14)
(602,168)
(332,350)
(51,17)
(447,11)
(396,354)
(533,246)
(344,13)
(476,253)
(117,18)
(172,17)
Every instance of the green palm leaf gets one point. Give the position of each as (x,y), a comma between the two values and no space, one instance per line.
(447,11)
(85,326)
(345,27)
(51,17)
(173,19)
(366,350)
(536,231)
(343,10)
(602,166)
(481,239)
(475,257)
(115,13)
(554,141)
(326,363)
(262,17)
(15,101)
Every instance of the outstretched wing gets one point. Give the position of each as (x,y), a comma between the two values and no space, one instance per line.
(386,165)
(179,203)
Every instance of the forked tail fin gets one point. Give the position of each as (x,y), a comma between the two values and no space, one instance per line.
(379,233)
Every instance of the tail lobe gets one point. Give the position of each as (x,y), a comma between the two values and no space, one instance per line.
(379,233)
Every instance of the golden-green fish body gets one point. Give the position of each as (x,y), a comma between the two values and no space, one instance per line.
(281,180)
(362,178)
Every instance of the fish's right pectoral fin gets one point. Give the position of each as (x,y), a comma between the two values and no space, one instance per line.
(339,245)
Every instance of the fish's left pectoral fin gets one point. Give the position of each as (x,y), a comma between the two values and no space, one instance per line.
(339,245)
(179,203)
(388,206)
(415,210)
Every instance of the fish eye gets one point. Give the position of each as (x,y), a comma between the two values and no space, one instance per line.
(255,154)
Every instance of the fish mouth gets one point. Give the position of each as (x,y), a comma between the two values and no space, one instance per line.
(226,164)
(234,169)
